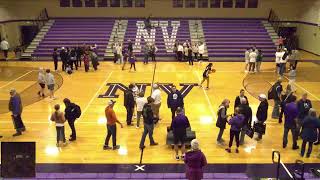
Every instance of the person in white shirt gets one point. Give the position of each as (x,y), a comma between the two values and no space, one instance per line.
(279,54)
(252,60)
(140,101)
(180,52)
(247,59)
(195,50)
(42,82)
(119,53)
(5,48)
(156,95)
(201,51)
(283,62)
(50,83)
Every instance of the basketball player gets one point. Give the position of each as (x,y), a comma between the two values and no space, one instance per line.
(206,73)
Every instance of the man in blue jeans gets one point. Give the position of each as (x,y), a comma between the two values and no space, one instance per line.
(291,114)
(148,119)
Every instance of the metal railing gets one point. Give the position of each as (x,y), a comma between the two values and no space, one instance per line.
(41,19)
(274,20)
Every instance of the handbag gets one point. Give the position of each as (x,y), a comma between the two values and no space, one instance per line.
(250,132)
(259,128)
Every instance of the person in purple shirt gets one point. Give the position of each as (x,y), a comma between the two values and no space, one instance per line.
(290,115)
(236,123)
(195,160)
(15,106)
(179,127)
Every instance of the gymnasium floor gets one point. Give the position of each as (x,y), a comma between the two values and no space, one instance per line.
(201,107)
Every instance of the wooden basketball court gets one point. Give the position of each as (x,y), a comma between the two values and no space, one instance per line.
(201,108)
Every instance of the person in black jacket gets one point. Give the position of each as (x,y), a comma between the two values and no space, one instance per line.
(175,100)
(275,93)
(304,105)
(237,101)
(246,110)
(262,112)
(129,104)
(222,119)
(55,56)
(63,57)
(148,120)
(70,115)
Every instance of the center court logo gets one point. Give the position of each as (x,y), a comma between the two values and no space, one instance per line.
(113,88)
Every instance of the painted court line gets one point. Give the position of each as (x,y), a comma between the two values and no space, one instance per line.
(304,89)
(16,79)
(207,98)
(95,95)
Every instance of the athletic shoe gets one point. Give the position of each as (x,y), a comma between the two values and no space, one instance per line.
(228,150)
(206,88)
(284,145)
(106,147)
(154,144)
(295,147)
(137,127)
(308,155)
(116,147)
(72,139)
(237,150)
(177,157)
(142,147)
(182,157)
(1,136)
(17,134)
(317,143)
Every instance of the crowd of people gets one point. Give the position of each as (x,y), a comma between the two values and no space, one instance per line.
(71,58)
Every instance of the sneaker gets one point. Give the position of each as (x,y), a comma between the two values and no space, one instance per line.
(295,147)
(106,147)
(116,147)
(237,150)
(228,150)
(1,136)
(23,129)
(17,134)
(317,143)
(142,147)
(72,139)
(308,155)
(130,124)
(284,145)
(177,157)
(206,88)
(154,144)
(182,157)
(137,127)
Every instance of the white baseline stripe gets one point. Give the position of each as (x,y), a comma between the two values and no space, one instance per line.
(304,89)
(207,97)
(95,95)
(16,79)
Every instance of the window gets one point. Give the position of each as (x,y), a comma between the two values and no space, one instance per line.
(227,3)
(64,3)
(190,3)
(240,3)
(252,3)
(126,3)
(102,3)
(177,3)
(76,3)
(215,3)
(202,3)
(139,3)
(114,3)
(89,3)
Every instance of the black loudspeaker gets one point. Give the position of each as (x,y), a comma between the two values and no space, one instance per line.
(18,159)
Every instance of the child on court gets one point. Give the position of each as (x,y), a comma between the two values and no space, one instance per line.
(59,119)
(132,61)
(205,75)
(42,82)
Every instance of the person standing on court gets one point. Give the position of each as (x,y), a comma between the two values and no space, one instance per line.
(205,75)
(5,48)
(304,105)
(72,112)
(252,60)
(55,56)
(246,111)
(275,94)
(290,115)
(309,132)
(42,82)
(283,62)
(156,95)
(236,123)
(222,119)
(50,83)
(148,120)
(180,52)
(201,51)
(129,104)
(195,51)
(153,51)
(285,98)
(175,100)
(59,119)
(63,57)
(140,101)
(247,59)
(262,112)
(237,101)
(259,60)
(15,106)
(132,61)
(195,160)
(179,128)
(111,127)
